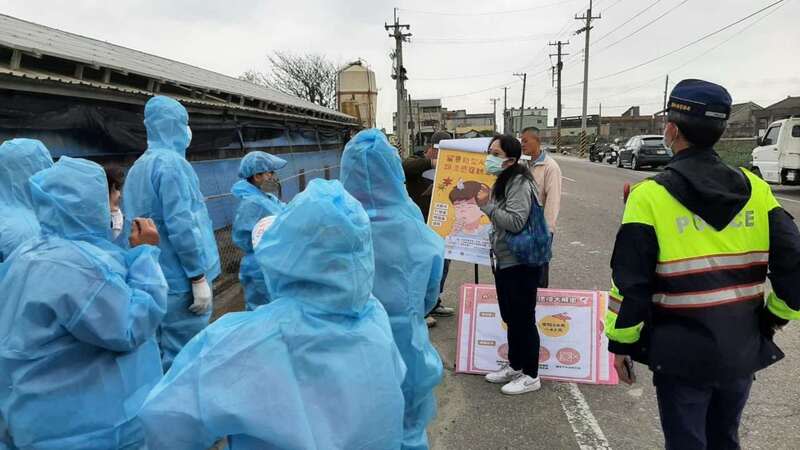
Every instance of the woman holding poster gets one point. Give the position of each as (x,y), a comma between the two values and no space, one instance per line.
(508,205)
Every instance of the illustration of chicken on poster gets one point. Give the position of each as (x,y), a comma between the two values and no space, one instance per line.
(454,212)
(572,346)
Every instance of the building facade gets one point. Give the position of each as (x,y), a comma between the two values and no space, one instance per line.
(630,123)
(459,123)
(531,117)
(742,122)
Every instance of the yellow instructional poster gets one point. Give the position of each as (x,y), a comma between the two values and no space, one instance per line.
(454,212)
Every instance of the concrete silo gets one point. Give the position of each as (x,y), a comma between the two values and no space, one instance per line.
(357,93)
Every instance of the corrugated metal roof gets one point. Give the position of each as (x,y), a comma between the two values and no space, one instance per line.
(134,91)
(39,39)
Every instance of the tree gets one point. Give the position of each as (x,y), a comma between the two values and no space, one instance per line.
(311,77)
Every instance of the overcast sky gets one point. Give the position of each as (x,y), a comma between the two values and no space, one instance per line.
(467,46)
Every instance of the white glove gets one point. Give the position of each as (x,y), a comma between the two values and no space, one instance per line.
(202,294)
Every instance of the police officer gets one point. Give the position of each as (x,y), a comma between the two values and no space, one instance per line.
(696,245)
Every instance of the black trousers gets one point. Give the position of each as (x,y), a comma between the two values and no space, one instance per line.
(544,278)
(445,271)
(516,295)
(701,415)
(441,286)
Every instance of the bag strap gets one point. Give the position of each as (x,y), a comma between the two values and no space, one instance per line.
(536,196)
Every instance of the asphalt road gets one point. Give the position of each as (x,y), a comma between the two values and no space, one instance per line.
(474,415)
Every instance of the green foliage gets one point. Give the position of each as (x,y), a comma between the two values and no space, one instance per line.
(736,153)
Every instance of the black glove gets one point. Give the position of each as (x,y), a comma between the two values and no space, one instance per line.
(769,323)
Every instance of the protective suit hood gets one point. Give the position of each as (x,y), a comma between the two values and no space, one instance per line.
(166,122)
(71,200)
(319,251)
(243,188)
(19,159)
(373,172)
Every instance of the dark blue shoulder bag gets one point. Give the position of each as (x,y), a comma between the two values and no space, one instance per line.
(533,245)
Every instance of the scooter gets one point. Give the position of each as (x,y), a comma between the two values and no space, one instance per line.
(611,156)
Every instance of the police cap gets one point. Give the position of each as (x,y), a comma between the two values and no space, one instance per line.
(701,99)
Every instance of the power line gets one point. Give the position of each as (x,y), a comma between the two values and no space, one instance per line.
(696,41)
(487,13)
(445,40)
(635,31)
(481,75)
(531,64)
(612,5)
(499,86)
(627,21)
(647,82)
(642,27)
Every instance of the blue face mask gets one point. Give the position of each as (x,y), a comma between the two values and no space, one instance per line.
(494,164)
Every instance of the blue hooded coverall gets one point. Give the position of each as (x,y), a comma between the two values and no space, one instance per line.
(164,187)
(19,159)
(77,322)
(409,258)
(316,368)
(254,204)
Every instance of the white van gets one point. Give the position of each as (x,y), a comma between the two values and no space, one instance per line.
(777,157)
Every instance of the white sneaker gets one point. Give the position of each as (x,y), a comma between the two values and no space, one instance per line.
(504,375)
(521,385)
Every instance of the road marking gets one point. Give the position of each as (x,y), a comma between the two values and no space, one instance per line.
(569,179)
(588,433)
(787,199)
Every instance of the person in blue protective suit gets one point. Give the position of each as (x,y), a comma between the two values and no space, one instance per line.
(78,320)
(164,187)
(255,169)
(315,368)
(409,258)
(19,159)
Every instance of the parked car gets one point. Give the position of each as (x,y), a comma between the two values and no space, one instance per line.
(644,150)
(777,157)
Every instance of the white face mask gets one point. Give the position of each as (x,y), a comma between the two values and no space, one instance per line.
(189,130)
(666,144)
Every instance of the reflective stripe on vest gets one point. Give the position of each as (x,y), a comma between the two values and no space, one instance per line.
(714,262)
(716,297)
(614,303)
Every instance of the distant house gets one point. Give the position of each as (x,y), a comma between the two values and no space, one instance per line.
(742,122)
(790,106)
(630,123)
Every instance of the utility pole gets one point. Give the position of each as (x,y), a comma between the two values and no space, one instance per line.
(400,78)
(522,108)
(414,126)
(559,67)
(494,101)
(587,29)
(599,121)
(505,110)
(664,111)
